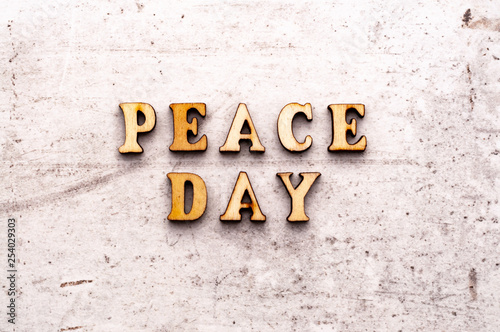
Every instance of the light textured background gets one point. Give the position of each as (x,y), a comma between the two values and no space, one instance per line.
(404,236)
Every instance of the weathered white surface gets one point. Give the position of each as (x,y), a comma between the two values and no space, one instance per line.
(398,234)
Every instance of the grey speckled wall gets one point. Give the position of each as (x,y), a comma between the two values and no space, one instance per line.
(404,236)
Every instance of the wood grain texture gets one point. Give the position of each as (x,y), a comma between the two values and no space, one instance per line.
(132,126)
(298,194)
(285,127)
(199,198)
(236,203)
(182,127)
(341,127)
(242,118)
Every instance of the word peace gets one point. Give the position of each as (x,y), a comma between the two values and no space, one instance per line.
(182,127)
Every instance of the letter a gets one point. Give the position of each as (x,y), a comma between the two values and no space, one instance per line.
(234,136)
(235,203)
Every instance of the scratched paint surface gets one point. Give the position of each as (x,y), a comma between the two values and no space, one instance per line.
(404,236)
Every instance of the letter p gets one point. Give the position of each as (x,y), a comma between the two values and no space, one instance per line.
(132,127)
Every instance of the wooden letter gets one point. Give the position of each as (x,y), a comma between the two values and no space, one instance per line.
(285,131)
(235,203)
(298,194)
(178,181)
(234,136)
(182,127)
(132,127)
(341,127)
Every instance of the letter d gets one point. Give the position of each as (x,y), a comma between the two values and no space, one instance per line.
(178,181)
